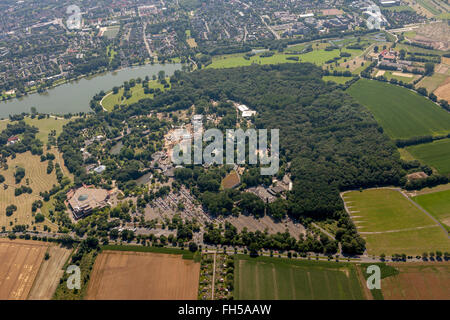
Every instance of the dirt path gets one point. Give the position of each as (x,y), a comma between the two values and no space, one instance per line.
(398,230)
(324,231)
(362,280)
(49,274)
(426,212)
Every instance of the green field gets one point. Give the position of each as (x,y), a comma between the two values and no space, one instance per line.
(429,6)
(317,56)
(46,125)
(435,154)
(390,223)
(111,32)
(389,75)
(401,112)
(137,93)
(438,204)
(277,278)
(339,80)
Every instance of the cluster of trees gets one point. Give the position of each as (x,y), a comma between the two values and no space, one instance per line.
(22,189)
(28,141)
(255,241)
(332,143)
(10,209)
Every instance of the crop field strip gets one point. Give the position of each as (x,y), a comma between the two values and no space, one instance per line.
(436,154)
(20,262)
(276,278)
(390,223)
(401,112)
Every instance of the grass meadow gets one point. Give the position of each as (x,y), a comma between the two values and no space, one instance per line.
(137,93)
(390,223)
(318,56)
(438,204)
(435,154)
(277,278)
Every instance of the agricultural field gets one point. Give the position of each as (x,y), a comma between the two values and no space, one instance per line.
(38,181)
(137,93)
(143,275)
(391,223)
(435,154)
(21,261)
(433,82)
(438,204)
(402,113)
(50,273)
(277,278)
(443,91)
(418,281)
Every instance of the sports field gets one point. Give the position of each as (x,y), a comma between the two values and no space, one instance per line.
(20,262)
(126,275)
(435,154)
(438,204)
(276,278)
(401,112)
(418,281)
(390,223)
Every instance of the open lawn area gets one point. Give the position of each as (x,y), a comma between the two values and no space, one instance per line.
(435,154)
(401,112)
(390,223)
(46,125)
(137,93)
(277,278)
(438,204)
(317,56)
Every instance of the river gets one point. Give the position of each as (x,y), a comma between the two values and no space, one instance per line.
(74,97)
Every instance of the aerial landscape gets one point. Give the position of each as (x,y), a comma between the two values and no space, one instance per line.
(225,150)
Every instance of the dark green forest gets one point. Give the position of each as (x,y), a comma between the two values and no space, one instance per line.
(328,142)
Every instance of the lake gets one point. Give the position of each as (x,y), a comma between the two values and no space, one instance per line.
(74,97)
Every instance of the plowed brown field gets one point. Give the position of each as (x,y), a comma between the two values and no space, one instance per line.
(418,281)
(143,276)
(20,262)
